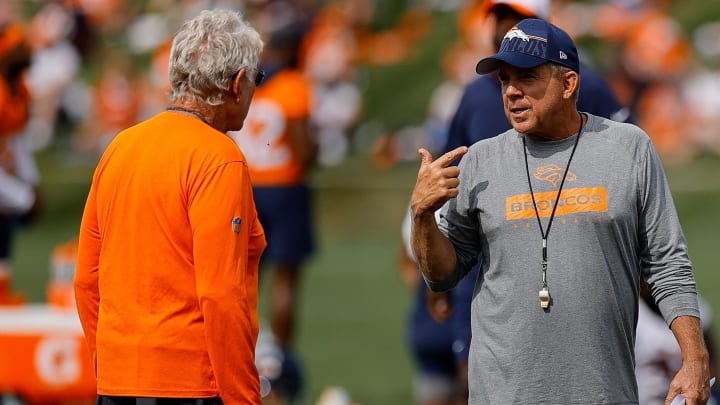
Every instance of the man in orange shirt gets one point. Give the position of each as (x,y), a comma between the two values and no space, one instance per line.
(167,273)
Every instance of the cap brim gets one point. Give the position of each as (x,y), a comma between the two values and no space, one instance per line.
(516,59)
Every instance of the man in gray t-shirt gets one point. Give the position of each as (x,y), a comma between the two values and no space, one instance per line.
(568,211)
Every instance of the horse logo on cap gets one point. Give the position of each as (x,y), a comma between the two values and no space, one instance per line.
(516,32)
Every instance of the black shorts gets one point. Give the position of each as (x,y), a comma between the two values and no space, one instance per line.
(112,400)
(285,213)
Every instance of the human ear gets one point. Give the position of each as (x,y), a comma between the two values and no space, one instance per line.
(570,83)
(237,83)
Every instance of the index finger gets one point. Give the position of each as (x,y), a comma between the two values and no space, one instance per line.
(449,157)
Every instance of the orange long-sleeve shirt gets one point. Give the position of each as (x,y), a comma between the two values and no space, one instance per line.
(166,284)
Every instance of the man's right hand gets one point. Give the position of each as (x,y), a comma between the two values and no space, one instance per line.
(437,181)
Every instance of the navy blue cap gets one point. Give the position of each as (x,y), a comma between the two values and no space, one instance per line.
(531,43)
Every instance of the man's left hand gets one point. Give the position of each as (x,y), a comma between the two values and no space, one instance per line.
(692,382)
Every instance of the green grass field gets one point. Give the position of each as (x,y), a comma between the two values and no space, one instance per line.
(353,305)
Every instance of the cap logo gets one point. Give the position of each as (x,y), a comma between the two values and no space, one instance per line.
(531,43)
(516,40)
(516,33)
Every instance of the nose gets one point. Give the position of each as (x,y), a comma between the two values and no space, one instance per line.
(511,91)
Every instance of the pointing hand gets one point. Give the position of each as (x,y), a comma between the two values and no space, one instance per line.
(437,181)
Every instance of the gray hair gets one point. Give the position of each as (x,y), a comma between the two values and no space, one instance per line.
(207,52)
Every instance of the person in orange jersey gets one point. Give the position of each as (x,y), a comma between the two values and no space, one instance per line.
(166,283)
(280,149)
(14,95)
(19,197)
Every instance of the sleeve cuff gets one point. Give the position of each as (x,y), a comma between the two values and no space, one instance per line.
(683,304)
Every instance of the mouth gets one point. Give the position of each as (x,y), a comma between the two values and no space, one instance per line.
(518,111)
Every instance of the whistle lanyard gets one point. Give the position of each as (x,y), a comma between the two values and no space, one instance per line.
(545,232)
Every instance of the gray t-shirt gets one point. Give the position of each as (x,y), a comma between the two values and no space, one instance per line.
(615,220)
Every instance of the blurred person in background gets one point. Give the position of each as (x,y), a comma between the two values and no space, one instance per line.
(657,354)
(56,63)
(280,148)
(654,58)
(536,340)
(166,282)
(115,102)
(437,333)
(328,53)
(19,197)
(340,39)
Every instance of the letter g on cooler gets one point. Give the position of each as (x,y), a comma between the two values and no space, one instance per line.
(57,361)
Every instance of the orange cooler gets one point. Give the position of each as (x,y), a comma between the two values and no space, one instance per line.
(44,357)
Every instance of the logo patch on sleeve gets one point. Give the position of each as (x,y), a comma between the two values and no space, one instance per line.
(236,224)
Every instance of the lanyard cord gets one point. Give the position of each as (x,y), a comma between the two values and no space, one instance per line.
(546,232)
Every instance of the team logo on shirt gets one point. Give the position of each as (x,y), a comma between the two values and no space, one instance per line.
(236,224)
(571,201)
(553,174)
